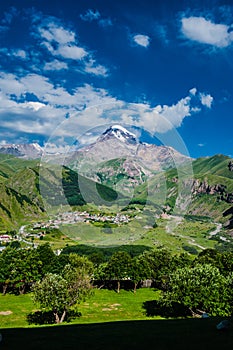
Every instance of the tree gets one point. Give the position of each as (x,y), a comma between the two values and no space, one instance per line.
(52,294)
(26,269)
(82,263)
(48,258)
(139,270)
(59,293)
(6,267)
(118,267)
(199,288)
(161,264)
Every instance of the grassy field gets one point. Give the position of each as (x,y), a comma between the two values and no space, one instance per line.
(109,321)
(104,305)
(185,234)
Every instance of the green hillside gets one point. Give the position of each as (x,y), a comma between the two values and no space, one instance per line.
(215,165)
(25,189)
(16,208)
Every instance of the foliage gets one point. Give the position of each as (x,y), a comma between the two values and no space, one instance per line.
(161,263)
(199,288)
(59,293)
(52,294)
(19,269)
(118,267)
(139,270)
(106,252)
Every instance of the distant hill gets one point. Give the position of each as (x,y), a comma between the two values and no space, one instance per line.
(25,150)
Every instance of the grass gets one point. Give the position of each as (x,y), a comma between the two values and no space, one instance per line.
(105,305)
(187,233)
(109,321)
(19,306)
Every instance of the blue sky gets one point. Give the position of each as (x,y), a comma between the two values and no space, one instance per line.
(68,67)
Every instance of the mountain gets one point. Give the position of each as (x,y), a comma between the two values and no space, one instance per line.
(26,150)
(117,158)
(119,133)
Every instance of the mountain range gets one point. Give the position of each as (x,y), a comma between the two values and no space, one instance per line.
(115,166)
(26,151)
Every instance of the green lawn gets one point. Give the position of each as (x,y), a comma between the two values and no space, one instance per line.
(104,306)
(129,327)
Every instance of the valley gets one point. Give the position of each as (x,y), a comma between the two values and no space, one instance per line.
(117,198)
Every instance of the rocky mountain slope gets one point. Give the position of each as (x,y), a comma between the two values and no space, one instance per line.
(26,151)
(118,159)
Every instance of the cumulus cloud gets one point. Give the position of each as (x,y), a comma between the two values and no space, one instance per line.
(193,91)
(96,69)
(20,53)
(34,105)
(206,32)
(141,40)
(87,107)
(206,99)
(55,65)
(61,42)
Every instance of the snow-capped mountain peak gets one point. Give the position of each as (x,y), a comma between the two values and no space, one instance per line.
(120,133)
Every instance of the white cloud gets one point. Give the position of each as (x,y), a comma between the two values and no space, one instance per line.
(63,43)
(34,105)
(201,144)
(55,65)
(64,39)
(204,31)
(90,15)
(71,52)
(53,32)
(94,15)
(142,40)
(96,69)
(206,100)
(87,106)
(20,53)
(193,91)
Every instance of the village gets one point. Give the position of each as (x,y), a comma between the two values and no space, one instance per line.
(68,218)
(39,229)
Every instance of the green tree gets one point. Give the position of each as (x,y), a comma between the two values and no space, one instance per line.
(26,269)
(82,263)
(161,264)
(199,288)
(48,258)
(118,268)
(52,294)
(6,267)
(59,293)
(139,270)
